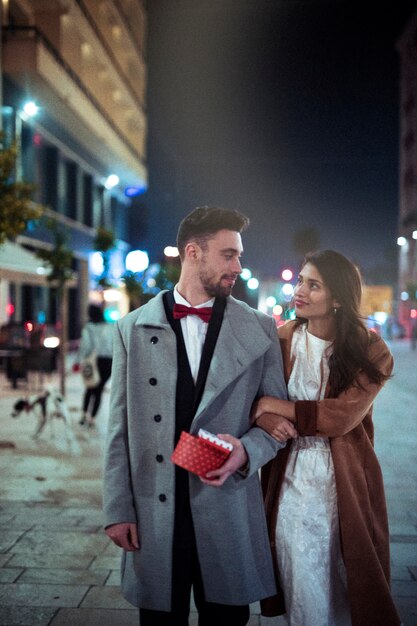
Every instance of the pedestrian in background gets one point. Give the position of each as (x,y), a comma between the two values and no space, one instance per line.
(413,334)
(192,358)
(97,337)
(324,492)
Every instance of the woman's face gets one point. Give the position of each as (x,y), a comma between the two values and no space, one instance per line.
(312,298)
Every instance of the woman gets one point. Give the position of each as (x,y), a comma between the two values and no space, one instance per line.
(96,336)
(324,493)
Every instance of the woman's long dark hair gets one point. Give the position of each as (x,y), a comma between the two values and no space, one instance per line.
(350,347)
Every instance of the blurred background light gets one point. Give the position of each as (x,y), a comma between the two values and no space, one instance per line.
(137,261)
(130,192)
(171,251)
(111,181)
(30,108)
(95,262)
(51,342)
(112,295)
(253,283)
(287,289)
(245,273)
(287,274)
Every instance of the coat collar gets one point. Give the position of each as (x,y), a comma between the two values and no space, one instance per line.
(241,341)
(153,313)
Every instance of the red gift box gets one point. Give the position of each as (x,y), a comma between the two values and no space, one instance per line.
(199,455)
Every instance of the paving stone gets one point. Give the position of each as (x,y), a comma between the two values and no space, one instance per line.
(37,515)
(26,616)
(96,617)
(89,516)
(25,594)
(9,574)
(106,562)
(50,560)
(4,558)
(403,538)
(112,550)
(412,515)
(272,621)
(404,588)
(401,528)
(114,579)
(65,526)
(8,538)
(64,576)
(105,598)
(255,608)
(404,554)
(400,572)
(60,543)
(407,608)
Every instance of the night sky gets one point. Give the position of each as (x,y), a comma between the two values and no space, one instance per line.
(286,110)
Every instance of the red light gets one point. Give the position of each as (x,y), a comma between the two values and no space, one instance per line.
(37,139)
(10,309)
(413,314)
(28,326)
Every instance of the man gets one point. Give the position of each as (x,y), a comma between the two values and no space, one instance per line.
(175,372)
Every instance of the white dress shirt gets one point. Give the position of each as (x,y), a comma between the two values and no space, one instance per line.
(194,331)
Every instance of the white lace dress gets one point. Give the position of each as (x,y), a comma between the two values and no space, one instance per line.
(311,569)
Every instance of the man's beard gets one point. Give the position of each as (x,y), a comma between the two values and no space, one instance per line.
(215,289)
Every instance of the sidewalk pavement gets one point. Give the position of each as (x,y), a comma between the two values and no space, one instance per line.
(57,567)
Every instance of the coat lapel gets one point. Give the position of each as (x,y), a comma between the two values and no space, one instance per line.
(241,341)
(153,314)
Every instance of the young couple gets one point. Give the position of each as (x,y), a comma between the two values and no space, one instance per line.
(321,553)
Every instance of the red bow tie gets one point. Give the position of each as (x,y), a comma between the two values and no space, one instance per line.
(203,312)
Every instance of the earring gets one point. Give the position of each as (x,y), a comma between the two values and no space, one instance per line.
(334,310)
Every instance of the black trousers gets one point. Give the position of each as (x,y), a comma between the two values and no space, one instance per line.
(187,575)
(92,395)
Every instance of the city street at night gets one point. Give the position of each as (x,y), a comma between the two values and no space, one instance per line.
(58,568)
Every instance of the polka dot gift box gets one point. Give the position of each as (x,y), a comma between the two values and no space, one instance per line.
(202,453)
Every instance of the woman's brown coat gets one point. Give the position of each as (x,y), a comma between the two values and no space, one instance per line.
(347,421)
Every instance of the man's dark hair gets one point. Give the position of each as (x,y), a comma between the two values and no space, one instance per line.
(204,222)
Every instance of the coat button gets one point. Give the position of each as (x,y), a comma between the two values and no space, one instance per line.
(152,381)
(162,497)
(154,339)
(157,418)
(159,458)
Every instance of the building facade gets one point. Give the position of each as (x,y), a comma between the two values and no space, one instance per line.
(74,98)
(407,279)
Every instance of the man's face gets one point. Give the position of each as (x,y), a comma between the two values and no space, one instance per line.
(219,264)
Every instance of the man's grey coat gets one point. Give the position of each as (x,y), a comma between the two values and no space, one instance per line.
(230,528)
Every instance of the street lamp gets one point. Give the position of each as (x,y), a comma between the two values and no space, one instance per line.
(30,108)
(111,181)
(137,261)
